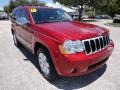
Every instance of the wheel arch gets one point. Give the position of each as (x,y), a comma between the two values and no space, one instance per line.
(12,31)
(39,45)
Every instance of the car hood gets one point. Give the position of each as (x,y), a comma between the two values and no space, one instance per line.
(72,30)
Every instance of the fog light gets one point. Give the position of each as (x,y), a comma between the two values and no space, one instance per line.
(74,70)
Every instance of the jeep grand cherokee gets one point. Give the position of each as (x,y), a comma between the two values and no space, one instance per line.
(62,46)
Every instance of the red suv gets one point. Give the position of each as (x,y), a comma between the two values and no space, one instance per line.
(62,46)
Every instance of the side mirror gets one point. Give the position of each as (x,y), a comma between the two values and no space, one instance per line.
(12,17)
(22,21)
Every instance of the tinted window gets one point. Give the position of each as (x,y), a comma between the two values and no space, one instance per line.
(45,15)
(24,14)
(17,13)
(13,13)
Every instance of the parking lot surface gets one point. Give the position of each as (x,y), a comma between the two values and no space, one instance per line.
(19,70)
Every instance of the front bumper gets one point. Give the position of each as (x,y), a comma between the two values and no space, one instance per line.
(80,64)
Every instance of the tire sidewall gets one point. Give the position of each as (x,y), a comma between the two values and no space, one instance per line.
(52,72)
(14,38)
(17,43)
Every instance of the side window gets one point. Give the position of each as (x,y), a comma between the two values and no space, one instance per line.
(24,14)
(13,14)
(17,14)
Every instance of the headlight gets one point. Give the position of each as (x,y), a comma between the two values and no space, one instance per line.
(71,47)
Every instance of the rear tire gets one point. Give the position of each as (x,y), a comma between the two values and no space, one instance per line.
(16,42)
(47,68)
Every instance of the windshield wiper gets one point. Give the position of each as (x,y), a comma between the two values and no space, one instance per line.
(54,21)
(48,21)
(66,20)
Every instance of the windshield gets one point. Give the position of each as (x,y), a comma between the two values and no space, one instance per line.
(45,15)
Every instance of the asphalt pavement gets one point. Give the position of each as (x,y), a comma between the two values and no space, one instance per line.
(19,69)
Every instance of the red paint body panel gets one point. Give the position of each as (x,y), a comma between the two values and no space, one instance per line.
(81,62)
(51,35)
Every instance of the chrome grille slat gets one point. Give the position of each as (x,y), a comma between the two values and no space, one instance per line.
(96,44)
(93,45)
(100,43)
(103,42)
(107,39)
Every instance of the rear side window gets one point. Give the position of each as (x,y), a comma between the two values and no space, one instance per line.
(24,14)
(13,14)
(18,13)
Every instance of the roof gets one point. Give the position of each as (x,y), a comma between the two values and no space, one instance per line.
(36,7)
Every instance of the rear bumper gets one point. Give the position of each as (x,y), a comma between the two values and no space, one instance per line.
(80,64)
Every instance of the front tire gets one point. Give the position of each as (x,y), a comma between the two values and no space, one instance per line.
(47,68)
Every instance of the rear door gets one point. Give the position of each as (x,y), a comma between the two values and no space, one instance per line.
(15,25)
(26,30)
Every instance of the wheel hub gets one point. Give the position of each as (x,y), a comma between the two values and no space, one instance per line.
(43,63)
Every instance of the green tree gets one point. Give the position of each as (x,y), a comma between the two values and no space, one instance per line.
(101,6)
(22,2)
(37,3)
(113,7)
(6,9)
(12,5)
(110,7)
(15,3)
(81,4)
(118,2)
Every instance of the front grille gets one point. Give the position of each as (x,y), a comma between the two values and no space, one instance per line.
(96,44)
